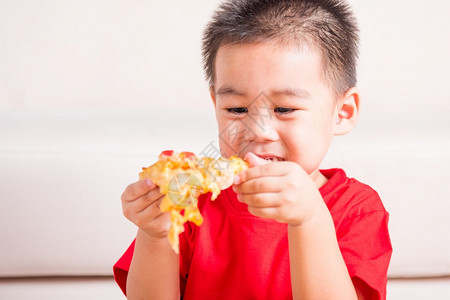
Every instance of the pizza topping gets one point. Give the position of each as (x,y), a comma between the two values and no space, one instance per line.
(166,153)
(182,178)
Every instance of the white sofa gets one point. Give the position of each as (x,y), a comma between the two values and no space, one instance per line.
(62,174)
(91,91)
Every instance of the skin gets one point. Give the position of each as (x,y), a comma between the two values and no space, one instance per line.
(270,102)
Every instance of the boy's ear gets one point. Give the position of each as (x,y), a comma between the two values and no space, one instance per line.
(212,92)
(347,112)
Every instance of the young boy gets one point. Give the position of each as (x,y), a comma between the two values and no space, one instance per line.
(282,79)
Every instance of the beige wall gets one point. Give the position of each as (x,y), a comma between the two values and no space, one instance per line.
(134,54)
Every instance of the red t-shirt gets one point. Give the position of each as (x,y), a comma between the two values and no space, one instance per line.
(235,255)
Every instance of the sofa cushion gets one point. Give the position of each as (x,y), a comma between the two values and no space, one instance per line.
(63,173)
(62,176)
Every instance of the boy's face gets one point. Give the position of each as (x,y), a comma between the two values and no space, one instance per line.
(272,101)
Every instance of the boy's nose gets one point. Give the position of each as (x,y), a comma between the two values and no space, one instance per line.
(262,132)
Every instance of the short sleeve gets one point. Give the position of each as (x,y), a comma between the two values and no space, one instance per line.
(122,266)
(366,249)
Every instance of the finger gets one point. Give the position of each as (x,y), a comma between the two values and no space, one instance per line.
(143,203)
(152,209)
(254,160)
(137,209)
(259,185)
(165,219)
(152,196)
(132,208)
(152,215)
(270,169)
(264,212)
(138,189)
(260,200)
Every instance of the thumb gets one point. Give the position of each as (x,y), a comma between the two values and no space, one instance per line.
(254,160)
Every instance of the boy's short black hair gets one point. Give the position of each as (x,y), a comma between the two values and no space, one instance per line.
(324,25)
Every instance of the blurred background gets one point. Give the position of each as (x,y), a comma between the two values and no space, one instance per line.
(91,91)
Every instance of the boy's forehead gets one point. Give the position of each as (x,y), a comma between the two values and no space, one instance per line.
(267,60)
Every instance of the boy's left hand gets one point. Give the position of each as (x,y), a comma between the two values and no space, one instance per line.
(278,190)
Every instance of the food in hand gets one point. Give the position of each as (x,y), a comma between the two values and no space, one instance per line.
(182,178)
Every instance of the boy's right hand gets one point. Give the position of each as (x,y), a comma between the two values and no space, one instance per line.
(140,204)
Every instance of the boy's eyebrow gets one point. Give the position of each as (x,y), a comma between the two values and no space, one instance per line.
(224,90)
(291,92)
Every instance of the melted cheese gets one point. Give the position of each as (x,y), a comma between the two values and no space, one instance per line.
(182,178)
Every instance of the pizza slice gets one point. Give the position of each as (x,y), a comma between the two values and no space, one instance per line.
(182,178)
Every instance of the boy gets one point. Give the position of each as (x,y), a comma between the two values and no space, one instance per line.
(282,79)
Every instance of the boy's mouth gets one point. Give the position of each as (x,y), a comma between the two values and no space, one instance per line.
(270,157)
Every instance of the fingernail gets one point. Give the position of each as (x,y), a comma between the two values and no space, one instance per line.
(238,195)
(148,182)
(236,179)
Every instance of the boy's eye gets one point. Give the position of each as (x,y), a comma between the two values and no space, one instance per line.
(284,110)
(238,110)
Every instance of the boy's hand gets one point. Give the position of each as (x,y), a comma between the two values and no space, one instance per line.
(140,204)
(279,190)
